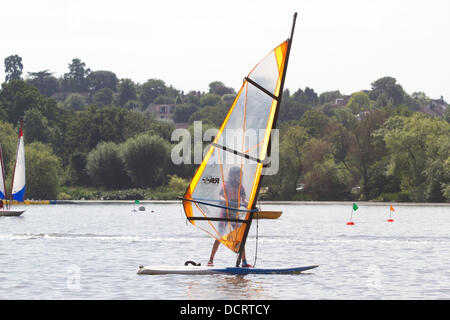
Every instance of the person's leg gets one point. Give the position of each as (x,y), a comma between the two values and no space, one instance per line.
(244,260)
(213,251)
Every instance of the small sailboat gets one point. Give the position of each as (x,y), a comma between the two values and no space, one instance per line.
(18,180)
(221,198)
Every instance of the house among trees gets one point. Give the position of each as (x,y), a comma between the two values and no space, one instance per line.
(436,107)
(340,102)
(162,112)
(438,104)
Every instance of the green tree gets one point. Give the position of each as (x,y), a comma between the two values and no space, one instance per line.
(77,169)
(192,97)
(105,167)
(419,150)
(146,158)
(36,126)
(315,122)
(366,149)
(183,112)
(212,115)
(177,184)
(210,99)
(291,109)
(8,142)
(43,171)
(447,114)
(163,129)
(163,100)
(346,118)
(355,146)
(75,102)
(445,185)
(420,99)
(126,92)
(329,96)
(283,185)
(228,99)
(44,81)
(151,89)
(17,96)
(387,88)
(309,96)
(324,179)
(13,68)
(359,102)
(76,80)
(103,97)
(133,105)
(102,79)
(217,87)
(85,129)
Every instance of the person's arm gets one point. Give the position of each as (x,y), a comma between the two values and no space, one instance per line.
(243,196)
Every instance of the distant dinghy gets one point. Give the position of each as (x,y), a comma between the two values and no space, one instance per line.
(18,180)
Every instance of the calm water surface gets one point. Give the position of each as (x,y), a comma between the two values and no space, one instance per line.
(93,252)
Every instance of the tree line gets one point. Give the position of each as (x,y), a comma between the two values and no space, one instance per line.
(89,129)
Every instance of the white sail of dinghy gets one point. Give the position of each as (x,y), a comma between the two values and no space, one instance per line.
(18,183)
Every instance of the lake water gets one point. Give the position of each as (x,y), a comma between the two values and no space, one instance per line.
(93,251)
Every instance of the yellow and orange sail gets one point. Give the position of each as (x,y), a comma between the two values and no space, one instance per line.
(222,195)
(220,198)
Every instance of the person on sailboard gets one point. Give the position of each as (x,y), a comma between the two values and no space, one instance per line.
(1,204)
(231,193)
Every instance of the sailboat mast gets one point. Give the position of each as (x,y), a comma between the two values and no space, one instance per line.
(274,124)
(278,103)
(3,173)
(15,163)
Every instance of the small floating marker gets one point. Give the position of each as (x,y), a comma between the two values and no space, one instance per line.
(391,209)
(354,208)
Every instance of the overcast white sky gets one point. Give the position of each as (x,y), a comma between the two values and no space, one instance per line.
(338,44)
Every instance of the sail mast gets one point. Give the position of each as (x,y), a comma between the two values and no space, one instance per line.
(2,172)
(278,103)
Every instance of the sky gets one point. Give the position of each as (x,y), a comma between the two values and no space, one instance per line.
(338,44)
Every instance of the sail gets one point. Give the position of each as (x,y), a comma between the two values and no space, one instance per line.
(221,197)
(18,184)
(2,177)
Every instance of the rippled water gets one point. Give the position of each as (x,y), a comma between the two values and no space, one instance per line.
(93,252)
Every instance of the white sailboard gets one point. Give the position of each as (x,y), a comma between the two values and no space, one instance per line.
(202,270)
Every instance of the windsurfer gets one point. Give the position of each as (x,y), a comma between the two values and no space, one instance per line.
(232,194)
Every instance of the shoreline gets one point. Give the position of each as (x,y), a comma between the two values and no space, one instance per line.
(142,202)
